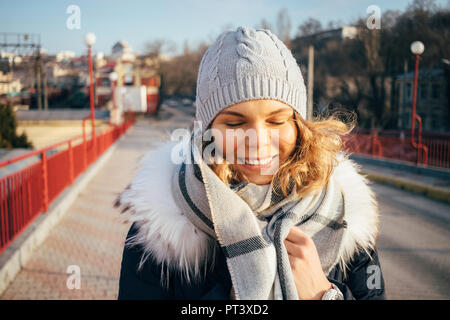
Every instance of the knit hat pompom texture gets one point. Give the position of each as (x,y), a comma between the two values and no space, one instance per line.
(247,64)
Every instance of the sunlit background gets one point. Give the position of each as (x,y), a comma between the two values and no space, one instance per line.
(80,80)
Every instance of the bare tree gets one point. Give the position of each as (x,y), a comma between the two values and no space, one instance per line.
(180,72)
(264,24)
(309,27)
(186,49)
(422,5)
(157,47)
(334,24)
(284,27)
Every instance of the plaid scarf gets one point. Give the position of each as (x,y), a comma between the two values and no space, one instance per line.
(251,222)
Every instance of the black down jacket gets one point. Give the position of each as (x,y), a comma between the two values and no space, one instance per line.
(364,279)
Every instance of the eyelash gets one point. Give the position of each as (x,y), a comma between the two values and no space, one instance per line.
(239,124)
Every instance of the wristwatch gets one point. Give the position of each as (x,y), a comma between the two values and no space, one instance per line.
(333,293)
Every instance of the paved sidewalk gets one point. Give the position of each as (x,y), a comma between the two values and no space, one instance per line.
(417,177)
(431,186)
(90,235)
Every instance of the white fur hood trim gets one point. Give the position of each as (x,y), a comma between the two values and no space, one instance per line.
(174,242)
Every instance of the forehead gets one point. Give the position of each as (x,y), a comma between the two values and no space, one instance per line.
(258,107)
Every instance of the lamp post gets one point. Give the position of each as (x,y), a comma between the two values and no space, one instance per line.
(417,48)
(113,78)
(89,40)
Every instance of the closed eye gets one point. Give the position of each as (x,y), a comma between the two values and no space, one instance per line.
(234,124)
(241,123)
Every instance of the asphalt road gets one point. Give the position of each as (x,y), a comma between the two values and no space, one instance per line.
(413,244)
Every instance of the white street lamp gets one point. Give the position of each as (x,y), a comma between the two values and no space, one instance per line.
(113,76)
(99,56)
(417,47)
(89,39)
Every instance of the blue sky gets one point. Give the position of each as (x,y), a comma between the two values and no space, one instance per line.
(139,21)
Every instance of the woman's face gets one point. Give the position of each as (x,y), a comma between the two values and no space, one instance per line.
(267,133)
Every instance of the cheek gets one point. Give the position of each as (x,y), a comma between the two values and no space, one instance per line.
(288,138)
(221,142)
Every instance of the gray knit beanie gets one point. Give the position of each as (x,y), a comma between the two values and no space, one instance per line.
(247,64)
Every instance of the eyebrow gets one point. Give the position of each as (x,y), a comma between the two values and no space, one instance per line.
(242,116)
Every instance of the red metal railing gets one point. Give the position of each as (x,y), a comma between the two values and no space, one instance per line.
(28,192)
(397,145)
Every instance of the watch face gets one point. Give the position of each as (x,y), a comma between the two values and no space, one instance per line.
(337,296)
(333,294)
(329,295)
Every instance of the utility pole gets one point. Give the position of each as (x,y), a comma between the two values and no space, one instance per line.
(26,44)
(310,83)
(94,71)
(89,40)
(38,79)
(45,89)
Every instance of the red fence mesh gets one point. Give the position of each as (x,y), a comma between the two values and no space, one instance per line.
(58,170)
(27,193)
(78,160)
(400,148)
(21,201)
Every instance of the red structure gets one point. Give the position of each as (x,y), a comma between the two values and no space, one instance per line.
(414,116)
(28,192)
(105,86)
(396,145)
(152,85)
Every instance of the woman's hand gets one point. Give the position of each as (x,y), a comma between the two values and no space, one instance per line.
(309,278)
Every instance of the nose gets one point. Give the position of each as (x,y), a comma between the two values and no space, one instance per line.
(259,146)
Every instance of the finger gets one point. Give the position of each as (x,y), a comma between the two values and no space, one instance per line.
(291,260)
(292,249)
(296,235)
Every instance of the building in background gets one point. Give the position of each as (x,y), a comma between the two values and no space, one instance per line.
(432,100)
(64,56)
(133,71)
(122,51)
(8,84)
(64,78)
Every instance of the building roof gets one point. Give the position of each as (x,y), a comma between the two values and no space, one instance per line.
(344,32)
(121,44)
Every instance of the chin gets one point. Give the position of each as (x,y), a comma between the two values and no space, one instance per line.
(259,179)
(255,175)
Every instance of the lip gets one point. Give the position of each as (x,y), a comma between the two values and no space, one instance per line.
(259,159)
(252,167)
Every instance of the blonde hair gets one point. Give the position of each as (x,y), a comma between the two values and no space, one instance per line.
(313,158)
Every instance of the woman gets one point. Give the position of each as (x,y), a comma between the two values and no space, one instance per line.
(263,204)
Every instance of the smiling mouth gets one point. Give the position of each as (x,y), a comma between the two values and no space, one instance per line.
(258,162)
